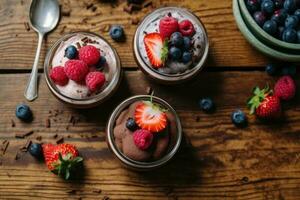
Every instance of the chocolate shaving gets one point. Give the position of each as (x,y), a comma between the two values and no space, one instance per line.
(72,191)
(60,140)
(78,45)
(27,27)
(17,157)
(47,123)
(97,191)
(135,21)
(147,3)
(94,8)
(39,138)
(55,136)
(23,135)
(5,147)
(106,198)
(89,6)
(13,124)
(66,13)
(26,146)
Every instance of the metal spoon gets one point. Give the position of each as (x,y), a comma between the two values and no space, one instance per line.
(44,16)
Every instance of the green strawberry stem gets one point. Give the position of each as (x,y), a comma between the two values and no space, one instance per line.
(66,164)
(165,51)
(259,95)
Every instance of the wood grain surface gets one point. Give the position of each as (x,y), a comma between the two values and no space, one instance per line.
(216,159)
(227,45)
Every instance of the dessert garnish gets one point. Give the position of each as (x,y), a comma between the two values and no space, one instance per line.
(131,125)
(142,139)
(62,159)
(58,75)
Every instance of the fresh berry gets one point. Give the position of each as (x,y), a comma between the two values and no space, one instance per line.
(167,26)
(280,32)
(279,16)
(290,5)
(186,28)
(297,13)
(76,70)
(142,139)
(187,43)
(252,5)
(58,76)
(89,54)
(289,35)
(175,53)
(150,116)
(156,48)
(62,159)
(289,70)
(272,69)
(71,52)
(116,32)
(36,150)
(270,27)
(131,125)
(186,57)
(291,21)
(176,39)
(95,80)
(239,118)
(101,63)
(264,105)
(278,3)
(285,88)
(23,112)
(267,6)
(259,17)
(207,104)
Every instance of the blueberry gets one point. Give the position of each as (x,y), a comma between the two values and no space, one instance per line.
(267,6)
(289,35)
(176,39)
(290,5)
(101,63)
(298,36)
(207,104)
(291,21)
(239,118)
(259,17)
(71,52)
(280,32)
(175,53)
(290,70)
(252,5)
(116,32)
(270,27)
(131,125)
(278,3)
(36,150)
(297,13)
(271,69)
(186,57)
(279,16)
(23,112)
(186,43)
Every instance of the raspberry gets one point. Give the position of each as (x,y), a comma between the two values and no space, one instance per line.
(76,70)
(186,28)
(58,76)
(142,138)
(167,26)
(89,54)
(285,88)
(95,80)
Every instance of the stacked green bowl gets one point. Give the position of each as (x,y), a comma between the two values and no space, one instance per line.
(261,40)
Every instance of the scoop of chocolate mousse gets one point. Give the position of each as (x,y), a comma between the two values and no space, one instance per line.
(124,138)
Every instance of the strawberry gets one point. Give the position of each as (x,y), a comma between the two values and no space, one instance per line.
(61,159)
(156,48)
(167,26)
(150,116)
(285,88)
(264,105)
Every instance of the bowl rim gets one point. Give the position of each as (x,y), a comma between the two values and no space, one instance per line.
(90,101)
(264,35)
(170,78)
(255,42)
(138,165)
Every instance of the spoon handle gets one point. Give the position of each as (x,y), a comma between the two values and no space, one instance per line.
(31,91)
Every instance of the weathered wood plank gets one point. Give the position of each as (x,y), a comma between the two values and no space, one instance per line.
(216,161)
(228,47)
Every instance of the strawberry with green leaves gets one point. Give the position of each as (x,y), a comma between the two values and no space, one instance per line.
(264,104)
(62,159)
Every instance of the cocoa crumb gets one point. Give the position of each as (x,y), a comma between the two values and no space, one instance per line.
(60,140)
(135,21)
(97,191)
(89,6)
(47,123)
(23,135)
(55,136)
(66,13)
(27,27)
(39,138)
(13,124)
(94,8)
(105,198)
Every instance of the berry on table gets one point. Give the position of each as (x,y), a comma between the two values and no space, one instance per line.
(76,70)
(176,39)
(175,53)
(23,112)
(285,88)
(71,52)
(289,70)
(290,5)
(142,139)
(186,57)
(186,28)
(89,54)
(291,21)
(167,26)
(207,104)
(260,18)
(272,69)
(289,35)
(186,43)
(95,80)
(131,125)
(239,118)
(116,32)
(58,76)
(36,150)
(270,27)
(267,6)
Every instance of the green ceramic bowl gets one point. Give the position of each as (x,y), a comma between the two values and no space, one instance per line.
(264,36)
(267,50)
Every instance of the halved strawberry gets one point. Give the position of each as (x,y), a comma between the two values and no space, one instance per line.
(150,116)
(156,48)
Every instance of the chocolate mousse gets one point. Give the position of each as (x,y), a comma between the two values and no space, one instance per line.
(150,137)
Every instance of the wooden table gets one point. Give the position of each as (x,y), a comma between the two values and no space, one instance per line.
(216,161)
